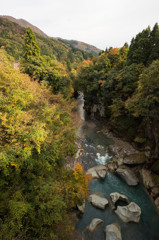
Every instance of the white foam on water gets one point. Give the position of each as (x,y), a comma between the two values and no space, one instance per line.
(102,159)
(100,147)
(91,146)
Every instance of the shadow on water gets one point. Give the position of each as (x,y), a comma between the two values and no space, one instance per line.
(95,145)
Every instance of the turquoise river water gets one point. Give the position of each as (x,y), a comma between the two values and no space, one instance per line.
(95,145)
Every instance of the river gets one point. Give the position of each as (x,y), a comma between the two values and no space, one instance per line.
(95,145)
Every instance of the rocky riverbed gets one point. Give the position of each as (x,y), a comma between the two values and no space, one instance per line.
(116,168)
(124,154)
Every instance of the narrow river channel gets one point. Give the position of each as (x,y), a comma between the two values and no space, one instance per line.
(95,145)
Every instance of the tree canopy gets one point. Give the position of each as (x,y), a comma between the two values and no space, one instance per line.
(37,193)
(123,82)
(31,48)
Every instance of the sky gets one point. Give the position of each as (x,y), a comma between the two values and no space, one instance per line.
(102,23)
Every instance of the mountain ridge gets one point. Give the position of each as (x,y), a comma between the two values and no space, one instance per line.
(22,22)
(82,46)
(74,43)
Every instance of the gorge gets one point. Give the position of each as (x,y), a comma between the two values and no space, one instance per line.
(95,145)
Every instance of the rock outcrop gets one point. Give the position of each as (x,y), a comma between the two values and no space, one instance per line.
(94,223)
(98,201)
(127,175)
(97,172)
(112,166)
(113,232)
(135,159)
(98,109)
(129,213)
(147,178)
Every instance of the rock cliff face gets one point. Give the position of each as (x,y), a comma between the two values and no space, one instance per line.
(97,111)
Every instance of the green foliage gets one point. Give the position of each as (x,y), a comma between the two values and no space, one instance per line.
(31,48)
(36,138)
(12,38)
(145,100)
(43,68)
(144,47)
(145,103)
(124,84)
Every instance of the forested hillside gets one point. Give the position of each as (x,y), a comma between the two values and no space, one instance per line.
(37,130)
(12,38)
(81,45)
(25,24)
(37,134)
(121,87)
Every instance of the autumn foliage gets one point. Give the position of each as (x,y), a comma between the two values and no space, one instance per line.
(36,136)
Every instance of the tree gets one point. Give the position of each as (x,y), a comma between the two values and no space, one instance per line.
(36,137)
(31,48)
(139,50)
(145,103)
(154,41)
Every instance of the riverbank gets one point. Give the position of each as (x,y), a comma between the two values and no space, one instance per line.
(123,153)
(97,145)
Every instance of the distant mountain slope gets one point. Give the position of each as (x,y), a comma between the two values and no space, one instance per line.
(74,43)
(12,39)
(25,24)
(82,46)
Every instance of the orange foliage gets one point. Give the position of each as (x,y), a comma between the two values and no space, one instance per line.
(86,62)
(82,180)
(114,51)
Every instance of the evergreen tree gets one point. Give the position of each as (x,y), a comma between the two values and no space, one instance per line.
(154,40)
(145,103)
(140,48)
(31,48)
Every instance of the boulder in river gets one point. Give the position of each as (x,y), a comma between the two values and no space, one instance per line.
(112,166)
(113,232)
(127,175)
(157,203)
(117,196)
(97,172)
(98,201)
(129,213)
(81,207)
(114,197)
(94,223)
(79,153)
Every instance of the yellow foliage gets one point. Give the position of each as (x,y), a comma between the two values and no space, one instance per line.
(82,180)
(14,165)
(30,115)
(101,82)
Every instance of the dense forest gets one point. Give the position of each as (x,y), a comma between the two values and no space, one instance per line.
(37,129)
(37,133)
(121,87)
